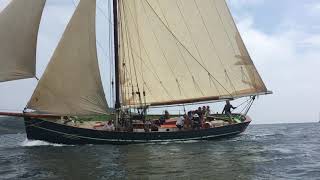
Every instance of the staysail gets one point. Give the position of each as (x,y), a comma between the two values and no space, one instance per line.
(176,51)
(71,84)
(19,25)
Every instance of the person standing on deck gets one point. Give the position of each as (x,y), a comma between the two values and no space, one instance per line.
(204,110)
(201,114)
(196,121)
(208,111)
(187,121)
(227,108)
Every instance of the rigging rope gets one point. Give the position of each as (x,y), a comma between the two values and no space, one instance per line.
(196,85)
(129,42)
(223,25)
(161,48)
(211,39)
(244,102)
(247,106)
(190,34)
(152,68)
(227,75)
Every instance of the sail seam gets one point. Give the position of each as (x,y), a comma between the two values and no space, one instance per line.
(212,42)
(186,48)
(195,84)
(254,68)
(148,58)
(211,39)
(161,48)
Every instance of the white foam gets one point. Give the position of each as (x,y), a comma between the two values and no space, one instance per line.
(173,142)
(31,143)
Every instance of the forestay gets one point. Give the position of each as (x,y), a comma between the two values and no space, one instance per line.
(71,84)
(182,51)
(19,25)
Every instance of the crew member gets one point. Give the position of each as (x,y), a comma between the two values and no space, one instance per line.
(109,126)
(180,122)
(227,108)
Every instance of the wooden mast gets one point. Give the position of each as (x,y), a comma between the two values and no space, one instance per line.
(116,53)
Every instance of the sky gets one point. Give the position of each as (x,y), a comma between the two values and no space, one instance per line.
(283,38)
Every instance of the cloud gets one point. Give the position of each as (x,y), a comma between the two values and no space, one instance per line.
(285,52)
(3,4)
(312,41)
(313,8)
(288,69)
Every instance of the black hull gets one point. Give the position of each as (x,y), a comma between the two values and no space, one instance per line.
(38,129)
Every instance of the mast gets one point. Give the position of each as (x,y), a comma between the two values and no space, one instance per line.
(116,53)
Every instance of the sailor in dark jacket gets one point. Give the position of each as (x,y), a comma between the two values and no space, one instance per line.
(227,108)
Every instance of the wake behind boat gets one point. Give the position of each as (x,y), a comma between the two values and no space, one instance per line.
(165,53)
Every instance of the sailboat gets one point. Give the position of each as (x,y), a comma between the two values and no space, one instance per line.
(165,53)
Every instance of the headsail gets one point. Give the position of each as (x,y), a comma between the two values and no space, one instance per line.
(71,84)
(19,25)
(183,51)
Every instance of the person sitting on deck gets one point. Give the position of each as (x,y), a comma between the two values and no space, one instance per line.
(65,119)
(147,125)
(155,125)
(227,108)
(180,122)
(109,126)
(164,117)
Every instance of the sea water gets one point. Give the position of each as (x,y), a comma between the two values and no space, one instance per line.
(282,151)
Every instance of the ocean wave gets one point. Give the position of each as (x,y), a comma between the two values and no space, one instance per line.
(276,134)
(32,143)
(282,150)
(172,142)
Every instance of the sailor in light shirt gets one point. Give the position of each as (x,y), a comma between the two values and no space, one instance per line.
(180,122)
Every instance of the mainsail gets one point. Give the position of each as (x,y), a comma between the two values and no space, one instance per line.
(176,51)
(71,84)
(19,25)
